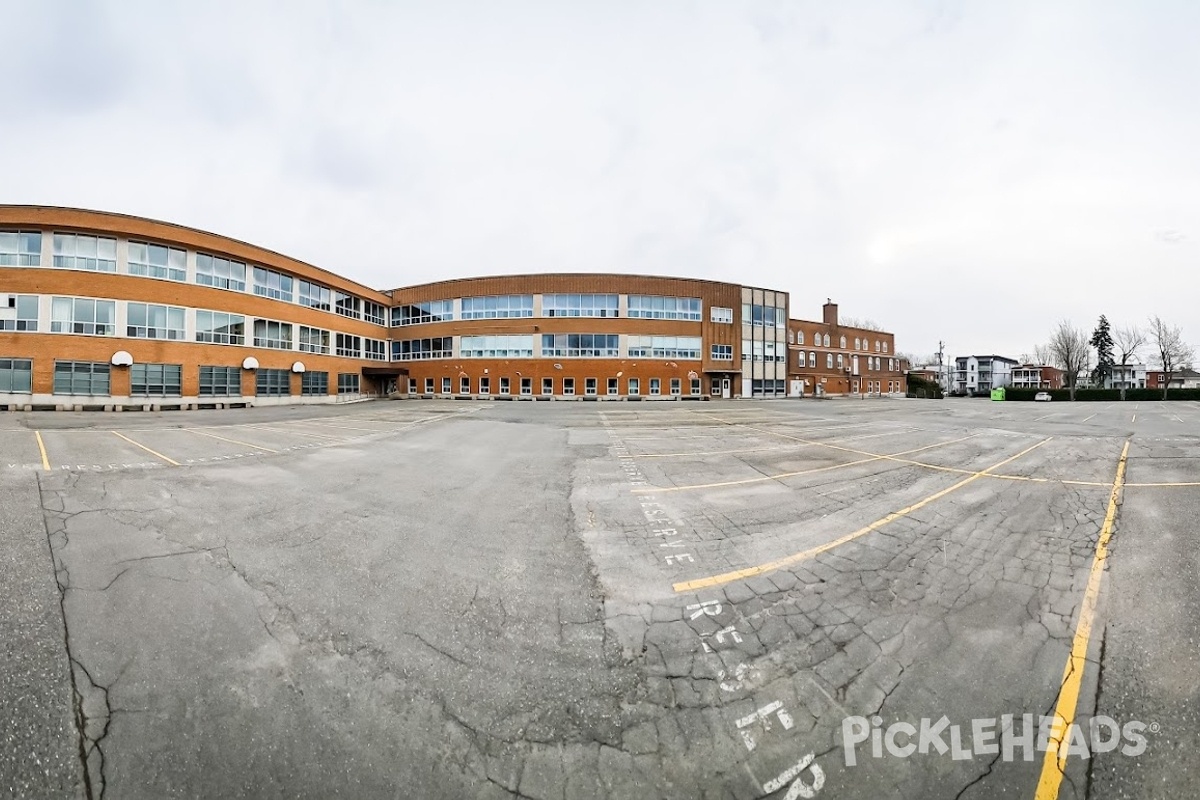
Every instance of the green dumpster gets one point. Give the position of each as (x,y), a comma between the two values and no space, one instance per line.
(998,393)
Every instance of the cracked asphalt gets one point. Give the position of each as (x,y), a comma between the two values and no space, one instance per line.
(597,600)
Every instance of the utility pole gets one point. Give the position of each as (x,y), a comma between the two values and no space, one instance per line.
(942,376)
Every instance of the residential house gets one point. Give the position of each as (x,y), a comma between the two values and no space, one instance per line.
(1036,376)
(982,373)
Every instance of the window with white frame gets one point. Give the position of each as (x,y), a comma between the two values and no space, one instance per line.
(581,345)
(349,345)
(269,283)
(445,386)
(812,358)
(634,387)
(876,345)
(375,349)
(857,343)
(580,305)
(271,334)
(613,388)
(314,340)
(151,321)
(826,340)
(501,306)
(885,347)
(374,312)
(20,248)
(840,363)
(83,315)
(694,389)
(720,314)
(347,305)
(313,295)
(721,352)
(657,307)
(21,312)
(547,385)
(665,347)
(589,386)
(155,380)
(80,251)
(423,349)
(527,386)
(420,313)
(217,327)
(501,346)
(843,343)
(829,361)
(655,386)
(157,261)
(221,273)
(676,386)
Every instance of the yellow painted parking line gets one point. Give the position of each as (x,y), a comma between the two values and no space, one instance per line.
(742,482)
(771,566)
(1068,694)
(42,449)
(231,441)
(170,461)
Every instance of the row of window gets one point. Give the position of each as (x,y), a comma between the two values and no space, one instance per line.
(555,305)
(873,362)
(99,254)
(797,337)
(567,386)
(770,352)
(89,316)
(94,378)
(553,345)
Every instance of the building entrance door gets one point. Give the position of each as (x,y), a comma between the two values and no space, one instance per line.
(725,388)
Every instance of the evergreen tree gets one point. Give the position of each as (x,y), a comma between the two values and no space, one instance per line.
(1103,342)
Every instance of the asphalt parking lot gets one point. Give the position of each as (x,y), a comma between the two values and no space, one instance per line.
(587,600)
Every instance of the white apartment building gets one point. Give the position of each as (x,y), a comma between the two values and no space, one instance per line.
(982,373)
(1129,376)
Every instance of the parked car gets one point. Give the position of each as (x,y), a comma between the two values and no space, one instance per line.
(1042,397)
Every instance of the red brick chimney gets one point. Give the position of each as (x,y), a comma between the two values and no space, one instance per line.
(830,309)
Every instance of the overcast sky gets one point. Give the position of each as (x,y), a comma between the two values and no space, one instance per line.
(964,171)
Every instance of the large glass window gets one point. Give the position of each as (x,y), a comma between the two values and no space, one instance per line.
(581,345)
(220,381)
(656,307)
(347,305)
(20,313)
(276,335)
(314,383)
(375,349)
(223,273)
(155,380)
(506,346)
(497,306)
(269,283)
(763,316)
(664,346)
(417,313)
(149,321)
(77,251)
(348,383)
(83,315)
(157,261)
(580,305)
(720,314)
(313,295)
(348,345)
(273,382)
(217,327)
(16,375)
(20,249)
(722,352)
(374,312)
(423,349)
(81,377)
(314,340)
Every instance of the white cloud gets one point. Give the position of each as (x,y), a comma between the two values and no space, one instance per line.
(966,172)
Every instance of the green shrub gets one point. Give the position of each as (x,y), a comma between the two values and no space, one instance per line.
(1143,395)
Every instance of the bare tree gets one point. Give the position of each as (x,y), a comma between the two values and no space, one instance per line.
(1173,351)
(864,324)
(1069,351)
(1042,355)
(1129,342)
